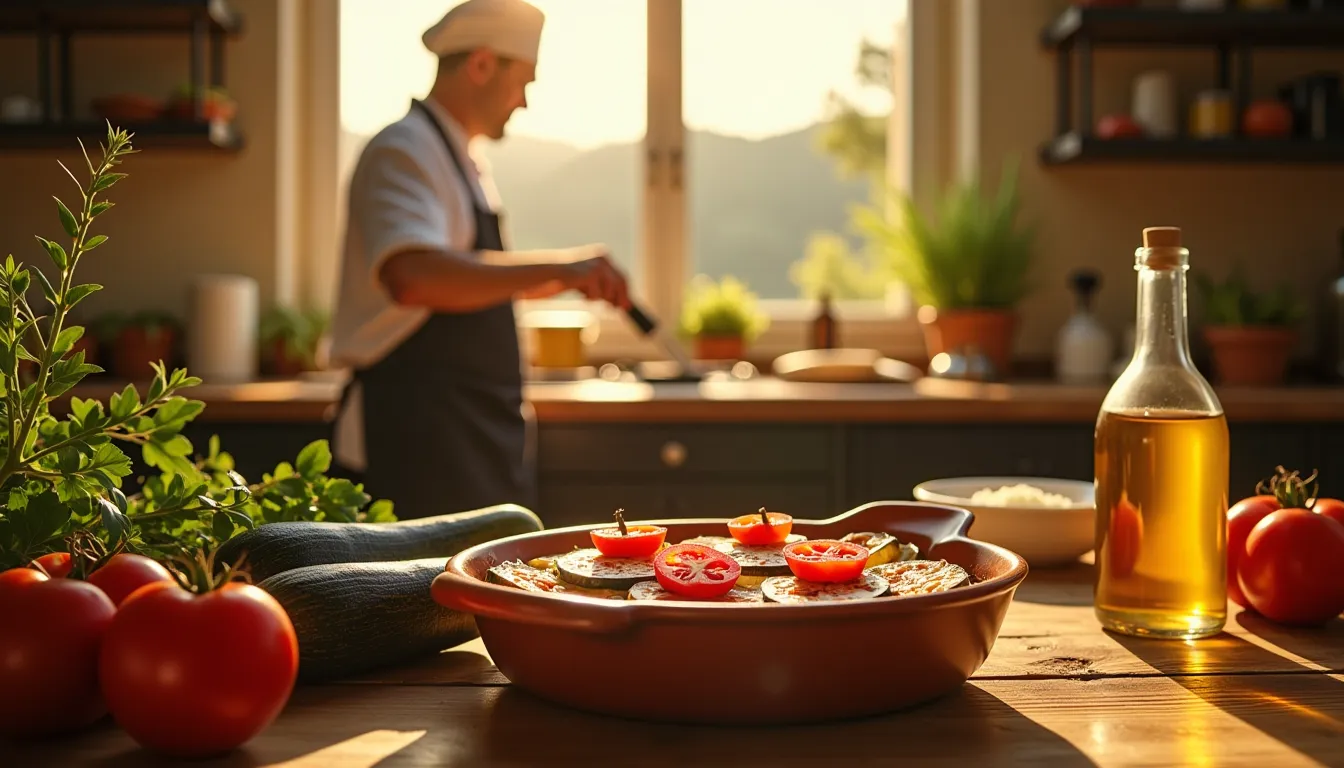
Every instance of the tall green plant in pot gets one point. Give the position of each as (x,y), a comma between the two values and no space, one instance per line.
(967,268)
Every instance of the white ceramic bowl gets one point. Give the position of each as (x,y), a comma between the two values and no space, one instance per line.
(1045,536)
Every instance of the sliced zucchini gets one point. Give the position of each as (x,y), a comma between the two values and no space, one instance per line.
(882,547)
(791,589)
(760,560)
(589,568)
(922,577)
(529,579)
(652,590)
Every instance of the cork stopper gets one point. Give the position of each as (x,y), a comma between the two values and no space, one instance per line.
(1161,249)
(1162,237)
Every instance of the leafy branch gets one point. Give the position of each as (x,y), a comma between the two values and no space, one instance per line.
(61,478)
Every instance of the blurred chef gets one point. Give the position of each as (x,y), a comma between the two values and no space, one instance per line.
(434,417)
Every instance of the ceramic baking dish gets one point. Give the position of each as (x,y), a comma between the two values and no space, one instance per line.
(743,663)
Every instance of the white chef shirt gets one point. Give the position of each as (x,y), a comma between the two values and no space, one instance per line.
(405,194)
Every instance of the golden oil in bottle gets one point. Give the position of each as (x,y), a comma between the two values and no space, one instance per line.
(1161,465)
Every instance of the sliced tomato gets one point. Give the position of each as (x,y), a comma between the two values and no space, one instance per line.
(826,560)
(694,570)
(761,528)
(57,564)
(628,541)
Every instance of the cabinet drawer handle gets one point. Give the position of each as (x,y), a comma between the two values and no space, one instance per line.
(674,453)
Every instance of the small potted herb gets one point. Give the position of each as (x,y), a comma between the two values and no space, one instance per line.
(967,269)
(290,339)
(1250,334)
(722,317)
(140,340)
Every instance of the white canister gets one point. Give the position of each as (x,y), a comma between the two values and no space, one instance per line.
(1154,105)
(222,335)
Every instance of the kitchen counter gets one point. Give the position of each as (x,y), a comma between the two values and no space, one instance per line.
(766,400)
(1056,690)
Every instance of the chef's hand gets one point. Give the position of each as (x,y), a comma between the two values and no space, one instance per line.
(591,273)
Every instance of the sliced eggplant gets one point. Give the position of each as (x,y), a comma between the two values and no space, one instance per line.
(922,577)
(530,579)
(882,547)
(652,590)
(590,568)
(791,589)
(762,560)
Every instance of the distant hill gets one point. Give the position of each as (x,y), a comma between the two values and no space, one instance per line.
(753,203)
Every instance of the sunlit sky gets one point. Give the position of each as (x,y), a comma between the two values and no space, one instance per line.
(752,68)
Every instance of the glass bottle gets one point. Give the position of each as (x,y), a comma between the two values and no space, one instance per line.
(1161,464)
(824,334)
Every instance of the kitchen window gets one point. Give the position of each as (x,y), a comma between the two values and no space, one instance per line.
(689,136)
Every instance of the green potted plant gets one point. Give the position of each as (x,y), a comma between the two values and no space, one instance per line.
(290,339)
(142,339)
(1250,334)
(967,269)
(722,317)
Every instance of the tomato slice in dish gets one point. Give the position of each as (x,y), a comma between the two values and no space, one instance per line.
(761,528)
(826,560)
(628,541)
(694,570)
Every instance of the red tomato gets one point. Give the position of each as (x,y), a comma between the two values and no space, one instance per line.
(694,570)
(124,573)
(637,541)
(57,564)
(1331,508)
(761,528)
(1118,127)
(193,675)
(1124,538)
(826,560)
(1293,569)
(49,641)
(1241,518)
(1267,118)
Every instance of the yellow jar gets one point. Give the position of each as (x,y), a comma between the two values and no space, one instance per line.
(1211,115)
(558,337)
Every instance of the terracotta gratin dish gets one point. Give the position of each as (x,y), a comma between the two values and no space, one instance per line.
(746,663)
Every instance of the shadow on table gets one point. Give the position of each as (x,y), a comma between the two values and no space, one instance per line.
(1299,708)
(967,727)
(1322,645)
(1063,585)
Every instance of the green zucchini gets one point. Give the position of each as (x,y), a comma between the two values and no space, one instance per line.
(278,547)
(352,618)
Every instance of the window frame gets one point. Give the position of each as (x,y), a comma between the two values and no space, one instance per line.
(920,117)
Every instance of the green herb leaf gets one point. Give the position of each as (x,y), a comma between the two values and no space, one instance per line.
(43,516)
(380,511)
(56,252)
(94,242)
(79,292)
(314,460)
(222,525)
(125,402)
(21,282)
(68,221)
(114,522)
(292,487)
(100,208)
(47,290)
(65,341)
(107,180)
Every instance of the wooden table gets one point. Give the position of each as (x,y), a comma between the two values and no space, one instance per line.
(1056,691)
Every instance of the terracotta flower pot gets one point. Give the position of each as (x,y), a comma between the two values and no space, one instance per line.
(720,347)
(277,360)
(1250,356)
(990,330)
(137,347)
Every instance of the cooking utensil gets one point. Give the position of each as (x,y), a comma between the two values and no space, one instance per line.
(772,664)
(651,328)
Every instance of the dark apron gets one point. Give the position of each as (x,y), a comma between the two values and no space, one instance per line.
(445,426)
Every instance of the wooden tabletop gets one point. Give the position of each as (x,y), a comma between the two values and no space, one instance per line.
(766,399)
(1056,691)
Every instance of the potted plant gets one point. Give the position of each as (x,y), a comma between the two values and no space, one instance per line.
(722,317)
(967,270)
(140,340)
(1250,334)
(290,339)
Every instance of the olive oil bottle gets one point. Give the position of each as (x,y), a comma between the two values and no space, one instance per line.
(1161,465)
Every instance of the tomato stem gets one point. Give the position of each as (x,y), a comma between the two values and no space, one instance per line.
(1290,490)
(196,572)
(620,522)
(765,518)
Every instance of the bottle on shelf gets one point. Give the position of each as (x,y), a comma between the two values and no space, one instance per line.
(824,334)
(1161,464)
(1083,349)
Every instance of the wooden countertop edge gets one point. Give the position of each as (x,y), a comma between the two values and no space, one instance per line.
(928,402)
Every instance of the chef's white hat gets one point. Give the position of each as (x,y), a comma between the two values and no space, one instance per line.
(511,28)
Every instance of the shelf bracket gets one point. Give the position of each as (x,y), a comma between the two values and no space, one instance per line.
(1063,90)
